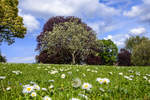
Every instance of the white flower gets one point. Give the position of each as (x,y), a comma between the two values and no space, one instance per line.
(74,99)
(101,89)
(86,86)
(51,87)
(100,80)
(106,81)
(110,73)
(138,73)
(50,80)
(63,76)
(44,89)
(120,73)
(2,77)
(145,77)
(33,94)
(131,76)
(149,81)
(76,83)
(131,71)
(36,87)
(47,98)
(83,96)
(127,77)
(53,72)
(8,88)
(28,89)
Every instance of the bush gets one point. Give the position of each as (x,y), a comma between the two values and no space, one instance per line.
(2,58)
(124,58)
(141,54)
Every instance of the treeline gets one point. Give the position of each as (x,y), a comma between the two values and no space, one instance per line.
(68,40)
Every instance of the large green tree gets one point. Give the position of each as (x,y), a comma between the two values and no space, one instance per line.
(11,25)
(141,54)
(109,51)
(71,36)
(133,41)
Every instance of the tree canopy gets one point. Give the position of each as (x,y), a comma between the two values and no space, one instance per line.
(11,25)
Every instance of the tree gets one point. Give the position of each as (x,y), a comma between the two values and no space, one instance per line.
(141,54)
(109,51)
(133,41)
(71,36)
(2,58)
(11,25)
(124,58)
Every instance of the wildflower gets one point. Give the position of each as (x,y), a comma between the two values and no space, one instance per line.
(2,77)
(50,80)
(110,73)
(83,96)
(36,87)
(76,83)
(131,76)
(145,77)
(51,87)
(33,94)
(63,76)
(100,80)
(101,89)
(44,89)
(47,98)
(106,81)
(53,72)
(120,73)
(28,89)
(149,81)
(8,88)
(127,77)
(74,99)
(86,86)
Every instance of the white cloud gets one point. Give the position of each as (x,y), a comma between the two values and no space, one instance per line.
(22,60)
(138,31)
(47,8)
(30,21)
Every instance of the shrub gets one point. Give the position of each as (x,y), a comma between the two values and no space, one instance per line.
(94,60)
(141,54)
(124,58)
(2,58)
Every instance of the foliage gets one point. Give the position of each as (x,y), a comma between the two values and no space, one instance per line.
(109,52)
(131,42)
(141,54)
(119,88)
(124,58)
(11,25)
(2,58)
(71,36)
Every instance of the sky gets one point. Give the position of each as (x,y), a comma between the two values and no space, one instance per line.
(111,19)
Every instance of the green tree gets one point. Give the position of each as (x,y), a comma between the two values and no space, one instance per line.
(71,36)
(2,58)
(11,25)
(109,51)
(133,41)
(141,54)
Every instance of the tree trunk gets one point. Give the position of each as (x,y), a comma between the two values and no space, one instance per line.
(73,59)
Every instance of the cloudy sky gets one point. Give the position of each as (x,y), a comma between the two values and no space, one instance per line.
(111,19)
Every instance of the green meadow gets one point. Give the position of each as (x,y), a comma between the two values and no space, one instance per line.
(65,82)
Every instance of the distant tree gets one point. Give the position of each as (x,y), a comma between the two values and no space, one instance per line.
(2,58)
(72,36)
(11,25)
(133,41)
(141,54)
(109,51)
(124,58)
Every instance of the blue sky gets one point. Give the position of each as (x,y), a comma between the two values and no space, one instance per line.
(111,19)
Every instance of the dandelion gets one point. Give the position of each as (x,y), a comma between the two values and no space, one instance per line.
(33,94)
(47,98)
(76,83)
(63,76)
(86,86)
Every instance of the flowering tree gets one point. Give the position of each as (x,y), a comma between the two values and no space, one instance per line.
(71,36)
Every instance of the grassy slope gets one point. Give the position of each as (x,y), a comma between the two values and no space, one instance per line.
(119,88)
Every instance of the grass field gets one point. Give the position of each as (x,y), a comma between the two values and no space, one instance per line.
(78,82)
